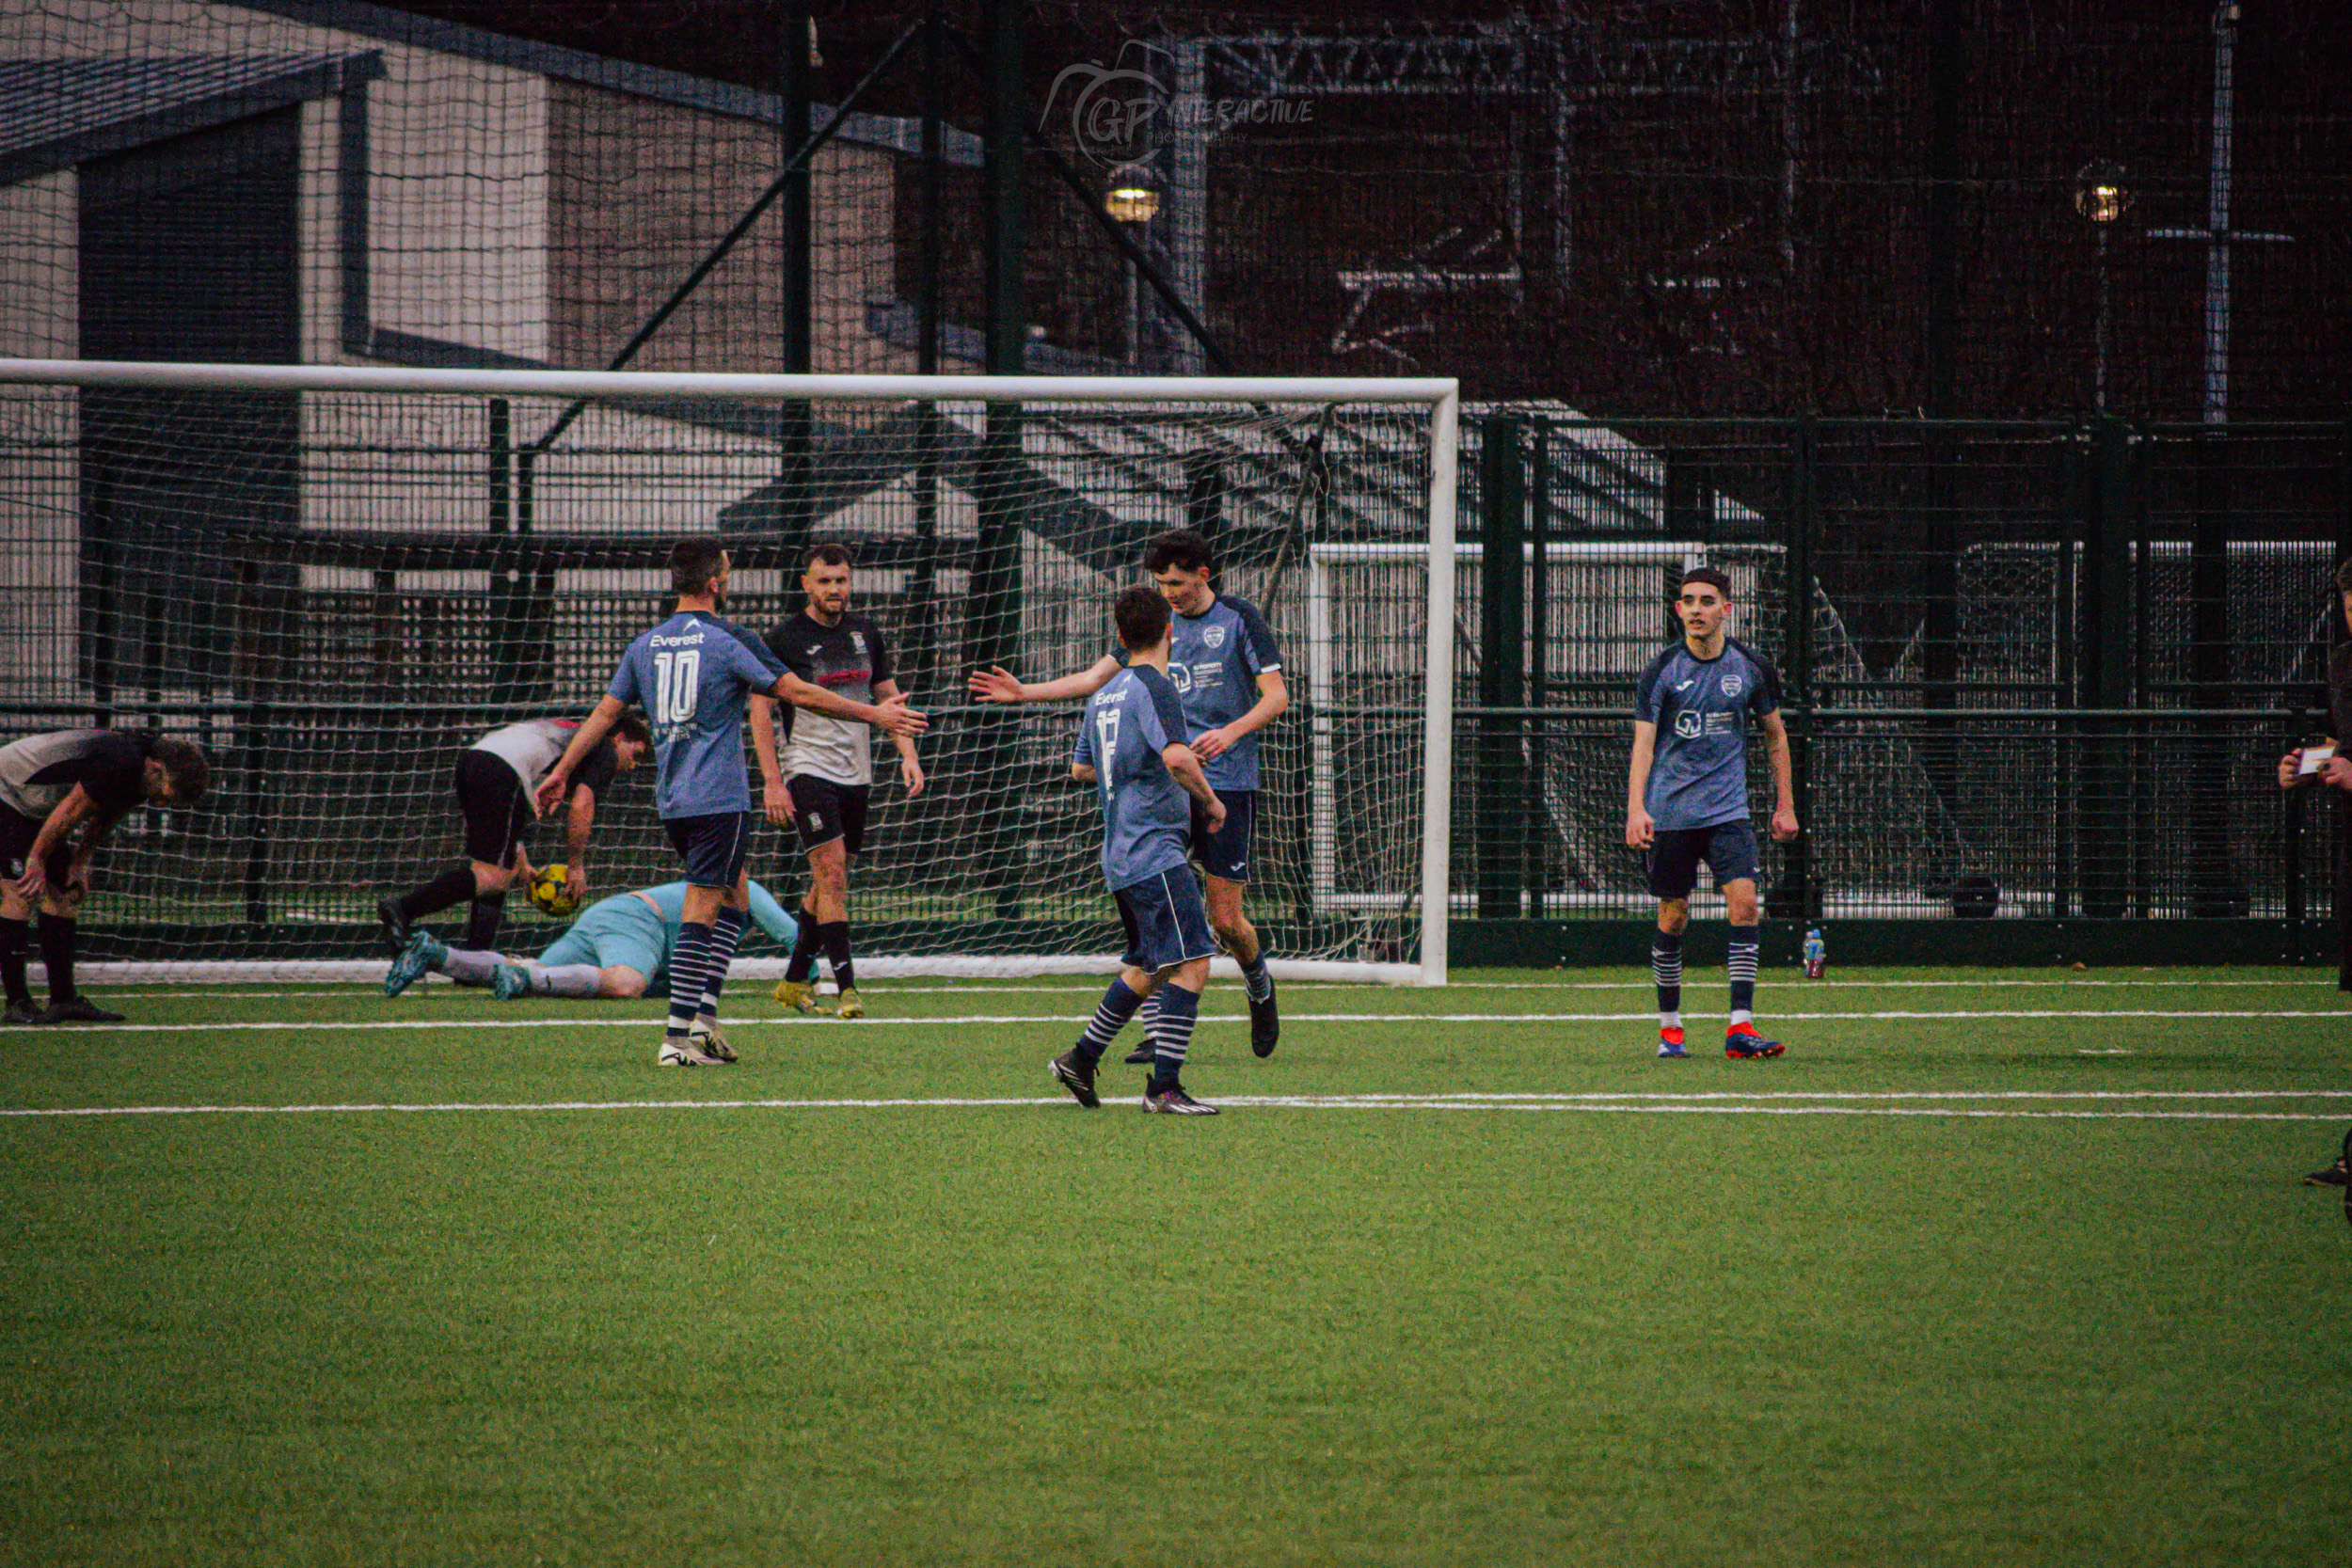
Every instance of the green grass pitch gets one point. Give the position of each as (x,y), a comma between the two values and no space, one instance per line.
(1991,1268)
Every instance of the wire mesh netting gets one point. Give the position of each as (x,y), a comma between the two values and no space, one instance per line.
(2044,671)
(335,594)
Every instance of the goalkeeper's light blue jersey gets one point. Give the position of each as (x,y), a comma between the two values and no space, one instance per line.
(692,672)
(766,913)
(1146,817)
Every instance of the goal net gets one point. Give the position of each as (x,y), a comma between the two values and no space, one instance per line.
(336,579)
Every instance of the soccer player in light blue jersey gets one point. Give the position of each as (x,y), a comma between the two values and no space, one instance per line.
(1131,747)
(692,674)
(620,948)
(1228,674)
(1687,798)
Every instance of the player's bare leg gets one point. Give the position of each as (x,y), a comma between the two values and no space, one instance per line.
(1665,967)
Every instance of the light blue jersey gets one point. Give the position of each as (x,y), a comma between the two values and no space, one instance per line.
(1698,775)
(629,930)
(691,672)
(1146,817)
(1215,658)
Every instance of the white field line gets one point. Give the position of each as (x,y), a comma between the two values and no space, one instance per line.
(1705,1104)
(644,1021)
(435,985)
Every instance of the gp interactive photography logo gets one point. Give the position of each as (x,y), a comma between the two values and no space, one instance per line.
(1122,111)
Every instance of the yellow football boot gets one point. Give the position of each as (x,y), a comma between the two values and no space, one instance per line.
(799,995)
(851,1007)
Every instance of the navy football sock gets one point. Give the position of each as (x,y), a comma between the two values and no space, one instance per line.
(1743,965)
(1112,1014)
(1171,1034)
(1665,968)
(689,968)
(1255,980)
(725,933)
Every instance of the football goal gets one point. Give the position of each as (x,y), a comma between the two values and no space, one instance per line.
(336,579)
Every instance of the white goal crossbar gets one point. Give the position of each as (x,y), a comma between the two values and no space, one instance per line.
(1439,396)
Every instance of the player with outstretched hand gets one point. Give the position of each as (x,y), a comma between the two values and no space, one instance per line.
(827,768)
(693,674)
(1686,795)
(1131,746)
(52,787)
(495,778)
(1228,674)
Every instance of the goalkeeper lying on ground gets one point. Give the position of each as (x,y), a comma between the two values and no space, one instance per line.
(619,947)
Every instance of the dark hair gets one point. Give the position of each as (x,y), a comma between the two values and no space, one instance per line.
(826,555)
(1183,549)
(692,563)
(191,774)
(631,725)
(1708,575)
(1142,618)
(2343,577)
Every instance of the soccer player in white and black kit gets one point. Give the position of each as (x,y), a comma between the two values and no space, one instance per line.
(827,768)
(52,788)
(693,673)
(1228,674)
(1686,797)
(495,778)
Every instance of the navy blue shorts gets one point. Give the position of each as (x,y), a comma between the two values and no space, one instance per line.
(1673,858)
(712,847)
(1167,924)
(1226,852)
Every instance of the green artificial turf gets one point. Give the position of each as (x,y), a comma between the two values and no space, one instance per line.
(1668,1330)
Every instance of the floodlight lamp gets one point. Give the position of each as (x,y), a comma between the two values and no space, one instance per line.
(1133,195)
(2100,193)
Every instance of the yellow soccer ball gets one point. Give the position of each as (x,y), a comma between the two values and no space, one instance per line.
(551,891)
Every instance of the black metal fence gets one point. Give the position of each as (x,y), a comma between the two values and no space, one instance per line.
(2030,671)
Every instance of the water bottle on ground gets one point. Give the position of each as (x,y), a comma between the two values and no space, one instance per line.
(1816,954)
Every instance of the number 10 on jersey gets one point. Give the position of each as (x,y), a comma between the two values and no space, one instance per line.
(676,684)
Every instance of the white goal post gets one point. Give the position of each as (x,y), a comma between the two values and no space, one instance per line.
(332,575)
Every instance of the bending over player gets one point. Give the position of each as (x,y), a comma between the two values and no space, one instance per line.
(52,787)
(1131,745)
(495,778)
(1228,674)
(1686,797)
(693,671)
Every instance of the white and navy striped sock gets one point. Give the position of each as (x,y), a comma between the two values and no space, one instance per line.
(1172,1032)
(1112,1014)
(688,963)
(1743,965)
(725,933)
(1665,968)
(1255,980)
